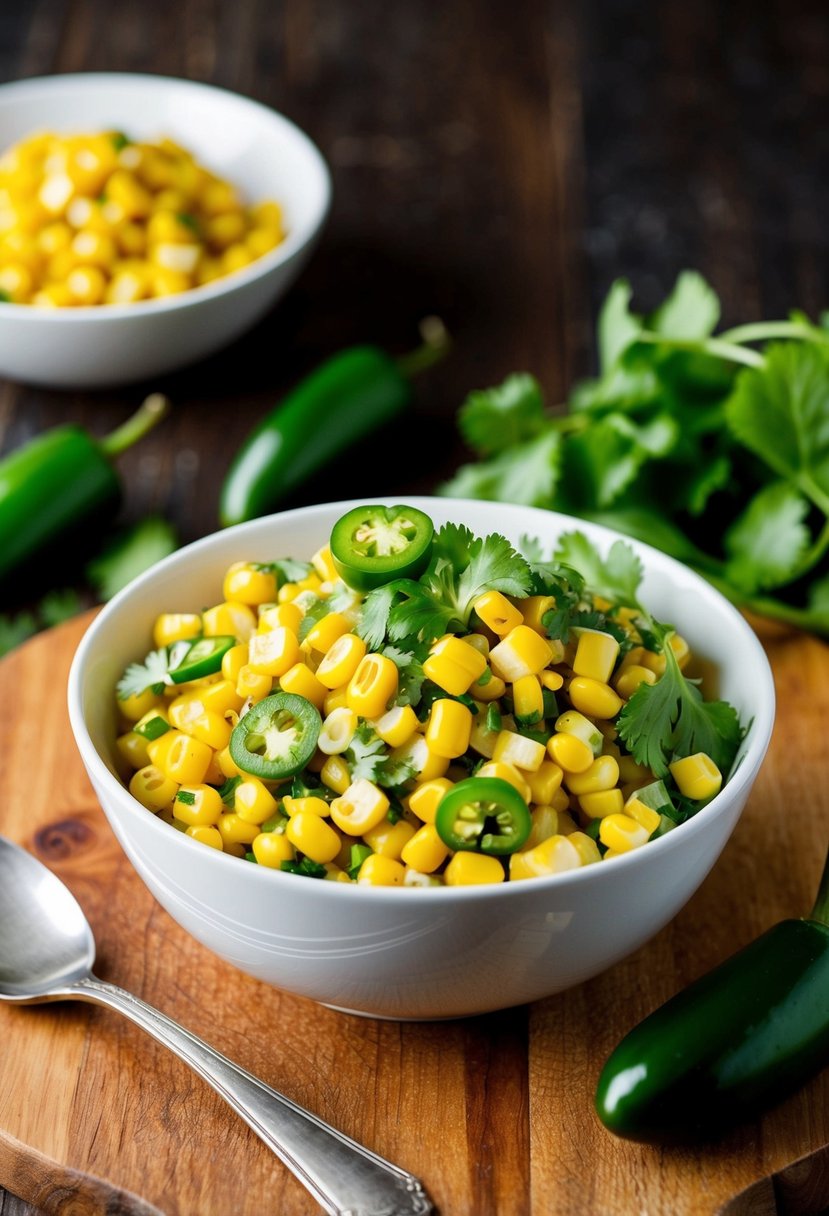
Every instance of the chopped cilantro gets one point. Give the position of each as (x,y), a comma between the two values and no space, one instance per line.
(187,797)
(305,867)
(359,852)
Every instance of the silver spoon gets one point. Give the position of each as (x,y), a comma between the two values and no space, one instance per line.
(46,954)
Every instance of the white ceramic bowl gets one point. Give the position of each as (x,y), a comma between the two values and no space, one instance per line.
(414,952)
(261,152)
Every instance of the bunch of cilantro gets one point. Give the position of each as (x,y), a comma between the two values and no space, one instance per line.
(714,449)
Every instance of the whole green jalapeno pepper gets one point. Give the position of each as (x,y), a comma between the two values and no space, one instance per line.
(736,1040)
(62,479)
(345,399)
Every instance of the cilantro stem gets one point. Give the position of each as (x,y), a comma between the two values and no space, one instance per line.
(436,343)
(762,331)
(820,911)
(148,414)
(721,349)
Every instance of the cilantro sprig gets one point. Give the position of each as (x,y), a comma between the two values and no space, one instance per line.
(712,446)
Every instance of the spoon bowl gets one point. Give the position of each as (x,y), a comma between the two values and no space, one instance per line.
(46,954)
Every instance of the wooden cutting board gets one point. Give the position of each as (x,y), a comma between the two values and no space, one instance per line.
(493,1113)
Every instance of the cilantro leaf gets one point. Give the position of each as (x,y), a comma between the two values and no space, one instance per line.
(766,543)
(692,310)
(288,569)
(140,676)
(605,459)
(59,606)
(410,674)
(130,554)
(670,719)
(497,418)
(16,629)
(618,327)
(494,565)
(781,413)
(616,578)
(374,616)
(368,756)
(527,473)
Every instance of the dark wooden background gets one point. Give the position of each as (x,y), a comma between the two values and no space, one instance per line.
(497,164)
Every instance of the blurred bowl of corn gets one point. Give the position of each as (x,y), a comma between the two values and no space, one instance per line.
(145,222)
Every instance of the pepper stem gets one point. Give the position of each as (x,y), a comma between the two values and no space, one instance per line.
(820,911)
(436,343)
(150,412)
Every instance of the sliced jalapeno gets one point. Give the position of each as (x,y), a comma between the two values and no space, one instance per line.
(201,657)
(277,737)
(483,813)
(373,545)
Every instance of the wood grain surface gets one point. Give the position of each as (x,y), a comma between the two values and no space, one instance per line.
(493,1113)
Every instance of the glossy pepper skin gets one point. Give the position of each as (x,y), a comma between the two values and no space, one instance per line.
(60,480)
(736,1040)
(346,398)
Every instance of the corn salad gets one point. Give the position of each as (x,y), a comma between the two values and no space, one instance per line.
(98,219)
(386,758)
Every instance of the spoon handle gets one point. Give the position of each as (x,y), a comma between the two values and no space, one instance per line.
(345,1178)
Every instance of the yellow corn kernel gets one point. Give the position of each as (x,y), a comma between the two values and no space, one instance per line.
(590,697)
(389,839)
(656,662)
(528,700)
(621,833)
(93,249)
(183,709)
(425,799)
(260,241)
(570,753)
(373,686)
(175,627)
(238,620)
(301,681)
(397,725)
(254,803)
(492,690)
(220,697)
(481,739)
(479,642)
(596,655)
(206,834)
(574,723)
(211,728)
(497,613)
(335,775)
(560,800)
(360,808)
(341,661)
(308,805)
(125,190)
(198,805)
(86,285)
(273,653)
(235,830)
(554,855)
(473,869)
(547,822)
(335,698)
(214,774)
(152,788)
(377,871)
(601,803)
(233,661)
(415,879)
(311,582)
(696,776)
(236,257)
(272,616)
(424,851)
(272,848)
(586,848)
(337,731)
(515,749)
(253,684)
(551,680)
(630,771)
(449,728)
(454,665)
(603,774)
(287,593)
(248,583)
(313,836)
(523,652)
(507,772)
(185,759)
(267,214)
(650,819)
(133,748)
(544,781)
(326,632)
(628,681)
(323,563)
(17,282)
(533,609)
(227,765)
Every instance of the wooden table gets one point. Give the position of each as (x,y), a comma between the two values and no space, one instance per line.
(500,166)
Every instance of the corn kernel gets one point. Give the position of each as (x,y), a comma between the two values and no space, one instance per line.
(301,681)
(337,731)
(696,776)
(425,799)
(198,805)
(133,748)
(377,871)
(253,802)
(528,700)
(313,836)
(512,748)
(603,774)
(553,856)
(272,616)
(175,627)
(621,833)
(473,869)
(397,725)
(273,653)
(235,830)
(497,613)
(152,788)
(586,848)
(601,803)
(454,665)
(507,772)
(629,680)
(449,728)
(574,723)
(247,583)
(570,753)
(326,632)
(544,781)
(335,774)
(185,759)
(596,655)
(309,805)
(232,618)
(650,819)
(360,808)
(426,763)
(253,684)
(341,661)
(389,839)
(533,609)
(271,849)
(523,652)
(373,686)
(425,851)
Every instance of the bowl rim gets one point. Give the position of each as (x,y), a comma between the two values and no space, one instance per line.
(758,729)
(295,241)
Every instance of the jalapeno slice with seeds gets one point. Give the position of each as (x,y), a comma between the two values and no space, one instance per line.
(277,737)
(486,814)
(193,659)
(373,545)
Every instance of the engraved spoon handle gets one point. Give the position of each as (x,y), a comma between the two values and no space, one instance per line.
(345,1178)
